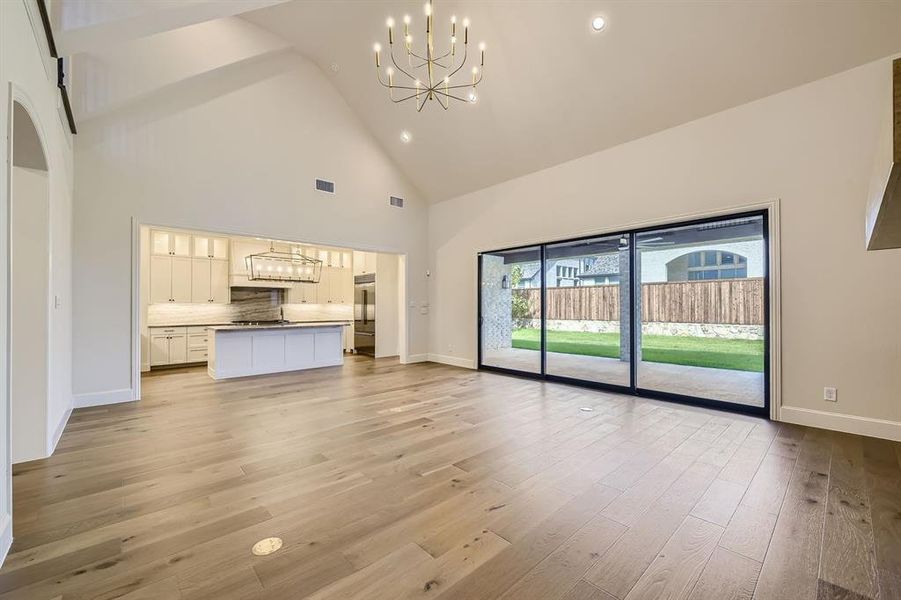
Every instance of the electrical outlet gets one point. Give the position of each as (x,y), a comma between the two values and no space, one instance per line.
(830,394)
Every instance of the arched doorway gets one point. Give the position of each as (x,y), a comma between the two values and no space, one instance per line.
(29,261)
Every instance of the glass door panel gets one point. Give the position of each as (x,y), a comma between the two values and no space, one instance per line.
(585,308)
(510,310)
(701,310)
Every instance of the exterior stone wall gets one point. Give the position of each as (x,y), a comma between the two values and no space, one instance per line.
(497,302)
(709,330)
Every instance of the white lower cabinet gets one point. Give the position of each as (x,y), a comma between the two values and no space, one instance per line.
(168,346)
(177,345)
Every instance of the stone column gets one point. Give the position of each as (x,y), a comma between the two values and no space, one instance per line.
(497,320)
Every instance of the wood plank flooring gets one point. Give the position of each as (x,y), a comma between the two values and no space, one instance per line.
(426,481)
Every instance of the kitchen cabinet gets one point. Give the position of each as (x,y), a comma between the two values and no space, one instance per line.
(168,346)
(170,279)
(304,293)
(209,280)
(198,344)
(340,286)
(210,247)
(178,345)
(170,243)
(335,287)
(364,263)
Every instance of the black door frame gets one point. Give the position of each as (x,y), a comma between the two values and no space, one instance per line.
(633,388)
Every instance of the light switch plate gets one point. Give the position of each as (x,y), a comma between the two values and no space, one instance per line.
(830,394)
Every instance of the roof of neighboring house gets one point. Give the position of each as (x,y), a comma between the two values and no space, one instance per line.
(606,264)
(529,270)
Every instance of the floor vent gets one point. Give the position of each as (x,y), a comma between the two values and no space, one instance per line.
(396,202)
(325,186)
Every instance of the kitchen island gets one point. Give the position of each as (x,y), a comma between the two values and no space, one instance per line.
(242,350)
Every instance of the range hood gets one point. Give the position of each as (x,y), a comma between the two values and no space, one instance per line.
(884,208)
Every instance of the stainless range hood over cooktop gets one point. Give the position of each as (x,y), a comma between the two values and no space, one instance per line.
(283,266)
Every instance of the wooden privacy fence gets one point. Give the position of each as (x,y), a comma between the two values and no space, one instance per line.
(724,301)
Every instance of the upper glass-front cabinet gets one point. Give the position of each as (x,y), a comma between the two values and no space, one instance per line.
(210,247)
(170,243)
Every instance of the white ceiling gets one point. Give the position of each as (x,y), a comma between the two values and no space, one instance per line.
(553,90)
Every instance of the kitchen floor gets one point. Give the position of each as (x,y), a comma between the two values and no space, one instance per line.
(391,481)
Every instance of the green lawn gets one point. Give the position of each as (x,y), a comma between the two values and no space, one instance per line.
(739,355)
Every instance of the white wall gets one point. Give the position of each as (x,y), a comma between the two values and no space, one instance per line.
(387,305)
(25,63)
(236,151)
(29,330)
(811,146)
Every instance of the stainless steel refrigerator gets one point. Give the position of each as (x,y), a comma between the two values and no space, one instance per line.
(364,314)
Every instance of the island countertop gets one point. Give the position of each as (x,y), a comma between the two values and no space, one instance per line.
(292,325)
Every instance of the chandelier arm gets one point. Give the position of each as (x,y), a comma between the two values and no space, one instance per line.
(462,62)
(451,96)
(434,62)
(392,86)
(398,101)
(467,85)
(399,68)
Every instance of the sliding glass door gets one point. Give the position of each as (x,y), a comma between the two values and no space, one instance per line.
(702,310)
(585,304)
(678,312)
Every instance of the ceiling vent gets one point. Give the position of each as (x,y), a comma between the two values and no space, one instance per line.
(396,202)
(325,186)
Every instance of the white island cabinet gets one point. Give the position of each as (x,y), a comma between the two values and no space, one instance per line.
(242,350)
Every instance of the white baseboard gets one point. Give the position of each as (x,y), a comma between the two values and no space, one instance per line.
(6,535)
(59,431)
(416,358)
(454,361)
(879,428)
(102,398)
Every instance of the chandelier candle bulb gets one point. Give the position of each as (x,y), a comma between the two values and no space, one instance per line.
(390,24)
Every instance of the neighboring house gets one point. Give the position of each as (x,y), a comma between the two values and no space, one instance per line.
(727,260)
(724,260)
(562,272)
(604,270)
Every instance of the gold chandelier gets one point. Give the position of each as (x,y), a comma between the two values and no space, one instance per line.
(426,75)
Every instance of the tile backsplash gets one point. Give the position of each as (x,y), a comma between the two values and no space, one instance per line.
(248,304)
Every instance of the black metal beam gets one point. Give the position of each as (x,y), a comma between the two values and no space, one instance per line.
(60,66)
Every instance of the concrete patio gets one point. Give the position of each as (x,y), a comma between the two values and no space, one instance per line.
(727,385)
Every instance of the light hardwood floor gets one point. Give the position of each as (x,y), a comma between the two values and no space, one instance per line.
(387,482)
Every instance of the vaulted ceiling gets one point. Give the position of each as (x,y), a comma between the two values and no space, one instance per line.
(553,89)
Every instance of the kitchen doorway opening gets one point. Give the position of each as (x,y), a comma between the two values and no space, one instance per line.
(189,279)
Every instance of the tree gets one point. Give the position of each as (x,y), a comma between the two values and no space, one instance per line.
(519,302)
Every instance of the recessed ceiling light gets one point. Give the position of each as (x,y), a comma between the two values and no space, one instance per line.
(598,23)
(405,136)
(335,67)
